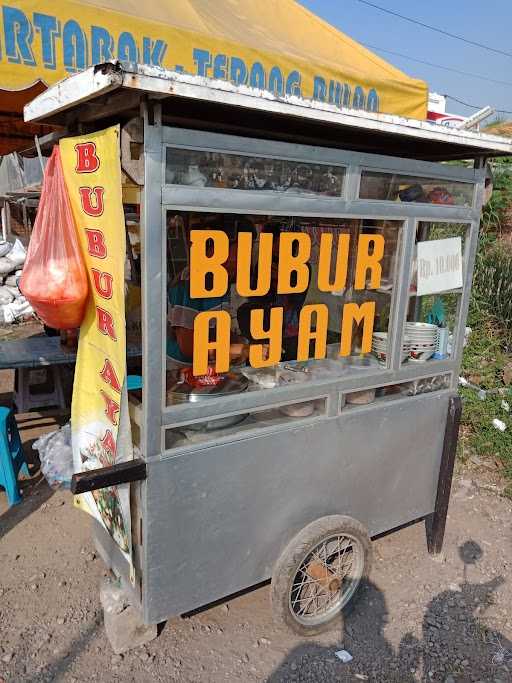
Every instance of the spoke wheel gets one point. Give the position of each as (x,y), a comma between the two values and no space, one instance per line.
(319,574)
(326,579)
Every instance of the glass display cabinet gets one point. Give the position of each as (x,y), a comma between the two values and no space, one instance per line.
(347,426)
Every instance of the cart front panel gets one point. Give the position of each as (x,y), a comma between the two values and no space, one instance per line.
(218,518)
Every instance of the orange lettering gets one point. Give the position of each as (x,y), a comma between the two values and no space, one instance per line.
(354,315)
(86,158)
(291,263)
(369,262)
(318,335)
(106,323)
(111,407)
(96,243)
(108,375)
(202,265)
(274,334)
(102,283)
(91,208)
(202,345)
(243,265)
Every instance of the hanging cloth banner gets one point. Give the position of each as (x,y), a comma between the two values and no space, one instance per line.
(100,423)
(274,45)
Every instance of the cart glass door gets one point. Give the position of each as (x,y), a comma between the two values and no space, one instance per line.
(302,282)
(305,299)
(437,280)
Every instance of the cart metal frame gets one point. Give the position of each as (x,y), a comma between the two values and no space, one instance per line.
(212,518)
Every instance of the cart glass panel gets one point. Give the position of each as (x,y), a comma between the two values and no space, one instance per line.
(196,168)
(435,292)
(343,295)
(397,187)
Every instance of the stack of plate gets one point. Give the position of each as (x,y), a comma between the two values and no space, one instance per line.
(380,347)
(423,338)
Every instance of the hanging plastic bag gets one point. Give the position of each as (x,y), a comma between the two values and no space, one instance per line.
(54,278)
(5,248)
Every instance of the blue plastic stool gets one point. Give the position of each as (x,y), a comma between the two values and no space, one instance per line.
(133,382)
(12,458)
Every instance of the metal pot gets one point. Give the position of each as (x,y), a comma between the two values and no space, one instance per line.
(179,392)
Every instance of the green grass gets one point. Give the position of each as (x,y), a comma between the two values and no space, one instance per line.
(490,345)
(494,216)
(483,364)
(492,288)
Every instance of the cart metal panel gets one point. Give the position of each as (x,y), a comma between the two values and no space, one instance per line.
(219,518)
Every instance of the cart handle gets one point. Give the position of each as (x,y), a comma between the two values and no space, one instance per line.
(122,473)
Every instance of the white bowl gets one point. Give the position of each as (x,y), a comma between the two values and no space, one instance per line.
(420,326)
(421,356)
(382,357)
(422,335)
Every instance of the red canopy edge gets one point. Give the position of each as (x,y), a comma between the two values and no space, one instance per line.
(15,134)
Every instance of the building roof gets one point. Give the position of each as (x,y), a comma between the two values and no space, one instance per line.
(113,91)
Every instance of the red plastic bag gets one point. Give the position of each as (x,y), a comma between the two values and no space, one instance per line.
(54,278)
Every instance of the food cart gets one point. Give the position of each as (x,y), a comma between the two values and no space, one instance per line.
(286,472)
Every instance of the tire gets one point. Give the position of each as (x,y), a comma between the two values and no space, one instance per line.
(303,582)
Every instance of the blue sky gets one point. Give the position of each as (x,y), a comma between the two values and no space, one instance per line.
(484,22)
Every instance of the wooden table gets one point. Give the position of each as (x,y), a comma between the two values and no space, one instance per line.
(35,352)
(26,355)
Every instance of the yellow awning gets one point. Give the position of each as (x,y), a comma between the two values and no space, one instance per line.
(277,45)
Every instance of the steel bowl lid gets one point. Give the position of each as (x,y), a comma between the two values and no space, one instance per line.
(231,383)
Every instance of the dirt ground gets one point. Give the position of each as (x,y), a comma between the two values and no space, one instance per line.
(421,619)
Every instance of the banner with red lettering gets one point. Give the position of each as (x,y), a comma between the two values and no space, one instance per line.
(99,413)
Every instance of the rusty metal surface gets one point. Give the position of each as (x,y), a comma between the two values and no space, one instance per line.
(389,134)
(15,134)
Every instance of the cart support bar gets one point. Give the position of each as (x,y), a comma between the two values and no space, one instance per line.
(436,522)
(123,473)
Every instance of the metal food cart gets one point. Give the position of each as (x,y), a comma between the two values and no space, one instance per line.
(287,480)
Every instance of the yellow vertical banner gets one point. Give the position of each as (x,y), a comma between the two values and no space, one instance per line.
(99,414)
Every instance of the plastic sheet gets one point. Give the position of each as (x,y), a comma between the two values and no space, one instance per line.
(54,278)
(13,279)
(5,248)
(15,311)
(6,295)
(14,258)
(56,456)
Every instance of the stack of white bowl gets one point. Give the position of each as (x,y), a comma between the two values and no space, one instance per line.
(423,338)
(380,347)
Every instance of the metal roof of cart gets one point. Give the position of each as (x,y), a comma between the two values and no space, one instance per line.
(113,92)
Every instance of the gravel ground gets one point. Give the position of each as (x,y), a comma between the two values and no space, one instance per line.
(420,619)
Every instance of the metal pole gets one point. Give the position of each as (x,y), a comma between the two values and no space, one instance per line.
(436,522)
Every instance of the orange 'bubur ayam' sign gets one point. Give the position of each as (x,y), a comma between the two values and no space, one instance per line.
(209,278)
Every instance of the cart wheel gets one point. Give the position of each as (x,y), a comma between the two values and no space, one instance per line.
(319,573)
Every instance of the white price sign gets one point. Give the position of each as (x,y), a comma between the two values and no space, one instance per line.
(439,265)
